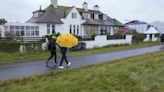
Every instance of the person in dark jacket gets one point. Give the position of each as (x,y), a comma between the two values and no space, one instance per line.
(52,49)
(63,51)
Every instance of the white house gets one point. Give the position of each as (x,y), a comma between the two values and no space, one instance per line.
(63,19)
(143,28)
(139,26)
(150,34)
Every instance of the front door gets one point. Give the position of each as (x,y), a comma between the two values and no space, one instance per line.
(151,37)
(103,30)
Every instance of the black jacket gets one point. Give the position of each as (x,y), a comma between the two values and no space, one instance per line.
(52,45)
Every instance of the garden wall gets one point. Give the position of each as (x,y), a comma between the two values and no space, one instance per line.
(101,41)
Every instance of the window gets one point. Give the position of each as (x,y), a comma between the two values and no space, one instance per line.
(6,28)
(36,14)
(17,30)
(22,31)
(48,28)
(27,31)
(74,29)
(93,16)
(70,29)
(36,31)
(85,16)
(74,15)
(101,17)
(32,30)
(103,30)
(11,28)
(53,29)
(77,29)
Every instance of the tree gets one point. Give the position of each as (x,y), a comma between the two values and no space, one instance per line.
(2,21)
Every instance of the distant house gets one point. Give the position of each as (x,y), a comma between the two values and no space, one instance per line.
(139,26)
(143,28)
(151,33)
(64,19)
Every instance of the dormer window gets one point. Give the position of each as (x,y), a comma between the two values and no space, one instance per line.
(101,17)
(74,15)
(38,13)
(104,17)
(85,16)
(93,16)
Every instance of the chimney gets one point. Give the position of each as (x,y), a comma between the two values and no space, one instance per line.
(85,6)
(54,3)
(96,7)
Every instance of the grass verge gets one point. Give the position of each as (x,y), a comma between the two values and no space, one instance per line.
(21,57)
(144,73)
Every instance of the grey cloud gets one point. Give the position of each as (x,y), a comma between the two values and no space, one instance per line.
(146,10)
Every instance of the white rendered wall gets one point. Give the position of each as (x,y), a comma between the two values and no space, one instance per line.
(101,41)
(42,29)
(1,30)
(72,21)
(148,38)
(141,28)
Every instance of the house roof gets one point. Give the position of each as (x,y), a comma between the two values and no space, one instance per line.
(135,22)
(97,22)
(52,15)
(117,23)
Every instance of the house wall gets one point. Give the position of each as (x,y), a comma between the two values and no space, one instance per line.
(141,28)
(72,21)
(42,29)
(101,41)
(148,38)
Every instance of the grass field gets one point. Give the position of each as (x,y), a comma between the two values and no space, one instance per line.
(21,57)
(144,73)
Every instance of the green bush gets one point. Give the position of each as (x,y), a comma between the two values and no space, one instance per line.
(9,47)
(13,47)
(118,36)
(50,36)
(93,36)
(137,37)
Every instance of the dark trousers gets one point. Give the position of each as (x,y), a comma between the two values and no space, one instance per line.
(63,58)
(51,56)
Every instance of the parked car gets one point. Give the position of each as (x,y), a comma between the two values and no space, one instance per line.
(162,38)
(80,46)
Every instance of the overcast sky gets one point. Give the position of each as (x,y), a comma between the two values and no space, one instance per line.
(123,10)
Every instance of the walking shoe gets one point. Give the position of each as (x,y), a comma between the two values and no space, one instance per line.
(69,64)
(61,67)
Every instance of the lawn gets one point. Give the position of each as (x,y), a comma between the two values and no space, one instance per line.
(144,73)
(42,55)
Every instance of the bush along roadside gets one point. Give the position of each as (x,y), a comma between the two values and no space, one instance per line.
(13,47)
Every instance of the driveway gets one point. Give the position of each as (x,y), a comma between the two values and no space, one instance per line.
(26,69)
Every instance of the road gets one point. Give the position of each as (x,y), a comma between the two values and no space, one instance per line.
(26,69)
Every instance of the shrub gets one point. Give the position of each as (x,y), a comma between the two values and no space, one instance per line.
(93,36)
(137,37)
(118,36)
(13,47)
(50,36)
(9,47)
